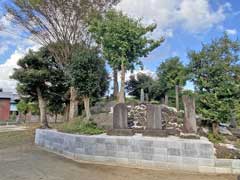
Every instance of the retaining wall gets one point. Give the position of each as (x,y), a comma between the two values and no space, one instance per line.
(138,151)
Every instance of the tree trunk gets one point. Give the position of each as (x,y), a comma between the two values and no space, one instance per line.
(215,127)
(73,109)
(115,84)
(177,97)
(66,112)
(56,115)
(122,89)
(166,99)
(86,101)
(43,109)
(142,96)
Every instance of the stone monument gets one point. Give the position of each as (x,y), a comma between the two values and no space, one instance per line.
(154,122)
(190,123)
(120,121)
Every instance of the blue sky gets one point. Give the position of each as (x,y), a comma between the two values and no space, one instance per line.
(185,24)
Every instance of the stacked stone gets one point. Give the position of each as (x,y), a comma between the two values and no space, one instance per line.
(137,117)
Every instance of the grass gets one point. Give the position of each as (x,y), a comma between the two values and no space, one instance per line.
(80,127)
(215,138)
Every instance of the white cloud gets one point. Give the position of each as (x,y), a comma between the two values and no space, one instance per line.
(192,15)
(7,69)
(231,31)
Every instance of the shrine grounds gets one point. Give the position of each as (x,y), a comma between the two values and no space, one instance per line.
(20,159)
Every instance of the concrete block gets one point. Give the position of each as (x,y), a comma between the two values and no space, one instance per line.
(223,163)
(174,159)
(236,164)
(206,162)
(160,144)
(159,158)
(189,161)
(206,151)
(160,151)
(147,156)
(189,150)
(173,152)
(223,170)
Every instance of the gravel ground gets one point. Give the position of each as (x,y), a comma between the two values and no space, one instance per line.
(21,160)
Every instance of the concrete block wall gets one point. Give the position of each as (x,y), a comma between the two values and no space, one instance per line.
(138,151)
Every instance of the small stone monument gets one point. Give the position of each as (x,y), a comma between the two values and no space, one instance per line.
(154,121)
(120,121)
(190,123)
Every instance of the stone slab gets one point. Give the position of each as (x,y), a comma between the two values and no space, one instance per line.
(120,132)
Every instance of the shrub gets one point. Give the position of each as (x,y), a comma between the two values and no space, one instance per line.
(80,127)
(215,138)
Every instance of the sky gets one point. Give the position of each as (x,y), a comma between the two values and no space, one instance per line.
(185,25)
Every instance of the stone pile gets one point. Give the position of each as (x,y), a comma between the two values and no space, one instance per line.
(137,117)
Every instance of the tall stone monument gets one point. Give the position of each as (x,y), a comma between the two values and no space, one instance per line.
(120,121)
(154,121)
(190,123)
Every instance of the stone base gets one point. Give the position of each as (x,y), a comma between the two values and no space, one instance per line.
(138,131)
(173,132)
(155,133)
(120,132)
(189,136)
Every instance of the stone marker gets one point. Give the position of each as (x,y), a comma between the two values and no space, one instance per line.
(142,96)
(154,121)
(120,113)
(190,123)
(120,121)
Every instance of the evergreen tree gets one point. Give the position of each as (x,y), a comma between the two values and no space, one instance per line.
(88,75)
(216,73)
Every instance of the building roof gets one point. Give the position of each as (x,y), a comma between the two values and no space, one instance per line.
(9,95)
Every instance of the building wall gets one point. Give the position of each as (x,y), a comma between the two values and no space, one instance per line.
(4,109)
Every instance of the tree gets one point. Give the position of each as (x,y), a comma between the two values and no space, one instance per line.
(89,75)
(172,75)
(123,41)
(58,25)
(215,71)
(136,83)
(37,69)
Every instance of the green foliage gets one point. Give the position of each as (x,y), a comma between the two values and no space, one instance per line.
(123,39)
(88,73)
(22,107)
(135,84)
(215,138)
(215,73)
(80,127)
(171,73)
(39,70)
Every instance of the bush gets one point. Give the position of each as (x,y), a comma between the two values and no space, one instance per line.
(215,138)
(80,127)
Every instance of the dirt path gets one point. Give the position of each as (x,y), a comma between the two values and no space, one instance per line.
(20,160)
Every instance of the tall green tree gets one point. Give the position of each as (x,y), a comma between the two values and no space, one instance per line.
(88,75)
(138,82)
(216,73)
(172,75)
(61,21)
(123,41)
(35,79)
